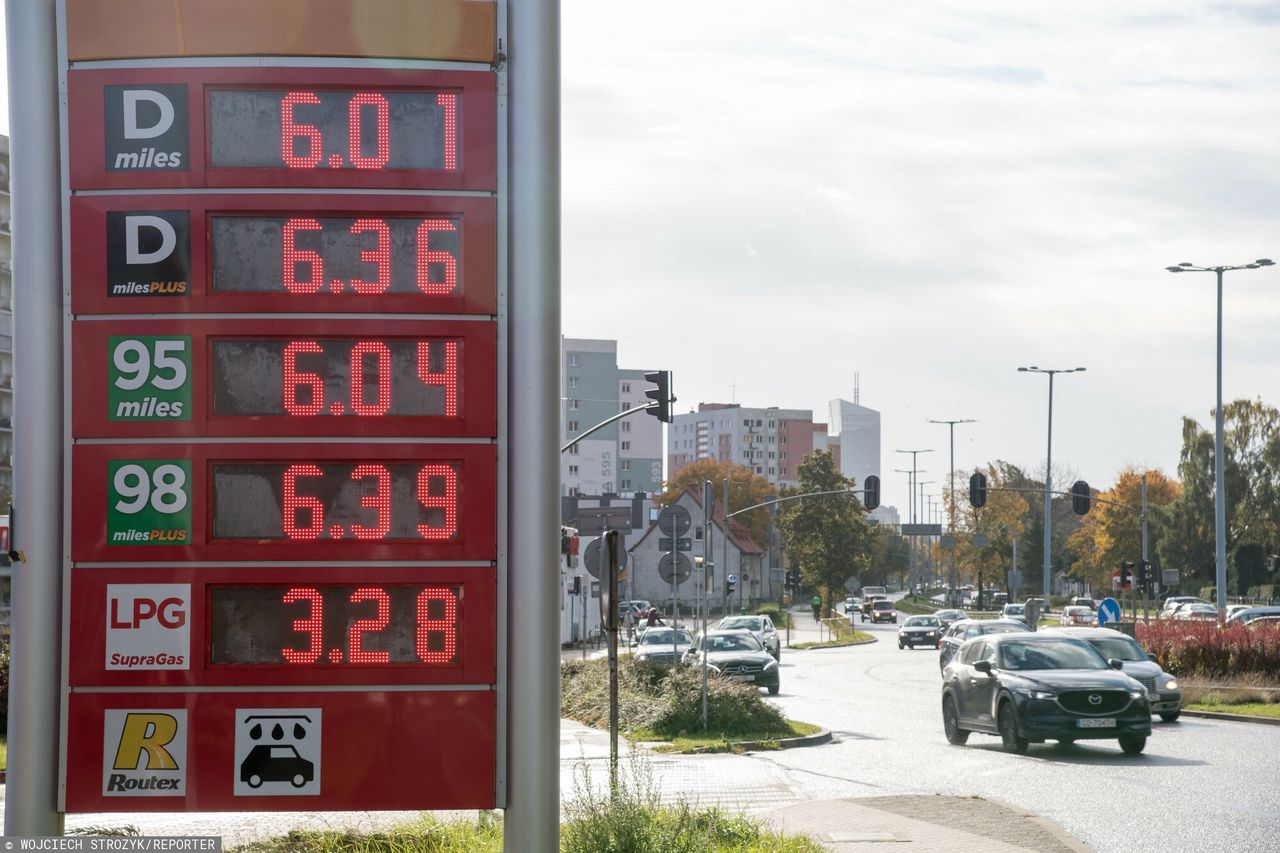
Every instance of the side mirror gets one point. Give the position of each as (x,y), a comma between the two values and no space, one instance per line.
(1151,657)
(983,666)
(1116,663)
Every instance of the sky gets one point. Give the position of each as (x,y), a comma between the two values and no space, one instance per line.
(768,199)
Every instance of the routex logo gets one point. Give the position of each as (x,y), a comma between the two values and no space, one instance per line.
(148,253)
(145,128)
(144,753)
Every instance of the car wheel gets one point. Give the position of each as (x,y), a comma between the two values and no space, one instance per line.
(774,688)
(899,644)
(298,780)
(956,736)
(1169,716)
(1009,731)
(255,781)
(1133,745)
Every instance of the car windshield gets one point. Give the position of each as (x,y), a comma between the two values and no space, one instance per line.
(882,605)
(921,622)
(1121,648)
(949,614)
(1053,654)
(1014,609)
(744,623)
(654,637)
(732,643)
(1002,628)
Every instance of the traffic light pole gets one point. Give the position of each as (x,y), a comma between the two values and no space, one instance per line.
(604,423)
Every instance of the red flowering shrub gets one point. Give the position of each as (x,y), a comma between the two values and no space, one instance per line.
(1203,649)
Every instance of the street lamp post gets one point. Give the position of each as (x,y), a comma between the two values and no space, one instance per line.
(922,553)
(951,489)
(911,498)
(1048,473)
(1219,484)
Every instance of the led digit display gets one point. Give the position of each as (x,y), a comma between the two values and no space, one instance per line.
(363,378)
(326,625)
(304,129)
(359,256)
(336,501)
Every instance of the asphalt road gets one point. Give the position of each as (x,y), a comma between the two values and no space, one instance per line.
(1200,784)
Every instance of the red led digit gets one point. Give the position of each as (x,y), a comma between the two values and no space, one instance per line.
(380,257)
(448,378)
(427,257)
(446,628)
(447,501)
(360,627)
(450,105)
(379,501)
(313,625)
(383,378)
(294,256)
(290,132)
(295,379)
(294,503)
(354,116)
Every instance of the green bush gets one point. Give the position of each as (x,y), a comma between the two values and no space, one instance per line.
(774,612)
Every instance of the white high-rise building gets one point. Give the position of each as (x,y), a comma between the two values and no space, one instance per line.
(856,429)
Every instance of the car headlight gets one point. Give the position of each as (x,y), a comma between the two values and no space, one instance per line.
(773,664)
(1034,694)
(1171,684)
(642,657)
(1140,693)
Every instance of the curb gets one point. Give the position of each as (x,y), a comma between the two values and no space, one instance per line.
(836,645)
(815,739)
(1235,718)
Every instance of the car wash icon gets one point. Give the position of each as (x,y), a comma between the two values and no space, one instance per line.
(278,753)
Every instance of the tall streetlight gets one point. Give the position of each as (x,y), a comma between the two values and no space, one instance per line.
(951,488)
(1219,485)
(922,558)
(1048,471)
(912,497)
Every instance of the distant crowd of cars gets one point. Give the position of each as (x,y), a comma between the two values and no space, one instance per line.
(740,648)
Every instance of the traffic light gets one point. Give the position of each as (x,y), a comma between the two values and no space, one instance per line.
(661,394)
(575,588)
(978,490)
(1144,573)
(793,577)
(1080,497)
(731,585)
(1126,574)
(871,492)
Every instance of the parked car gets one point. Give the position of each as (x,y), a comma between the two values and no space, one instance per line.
(882,611)
(660,649)
(1077,615)
(1083,601)
(1252,614)
(950,617)
(920,631)
(737,656)
(638,608)
(966,629)
(1196,611)
(1014,611)
(1264,621)
(1163,693)
(1173,602)
(761,627)
(1033,687)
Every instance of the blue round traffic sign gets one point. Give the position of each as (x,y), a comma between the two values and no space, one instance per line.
(1108,611)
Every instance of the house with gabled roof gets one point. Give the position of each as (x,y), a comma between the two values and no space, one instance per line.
(745,559)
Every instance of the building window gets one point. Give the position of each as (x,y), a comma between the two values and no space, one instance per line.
(626,445)
(784,472)
(759,469)
(783,455)
(771,424)
(626,485)
(759,422)
(573,381)
(624,464)
(771,439)
(573,405)
(573,491)
(573,450)
(573,426)
(573,470)
(771,471)
(626,387)
(782,440)
(626,407)
(771,454)
(626,426)
(573,359)
(697,533)
(747,423)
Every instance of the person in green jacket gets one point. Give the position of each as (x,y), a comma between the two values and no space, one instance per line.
(817,607)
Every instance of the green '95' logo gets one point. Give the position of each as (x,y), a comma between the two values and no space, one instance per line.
(147,378)
(149,502)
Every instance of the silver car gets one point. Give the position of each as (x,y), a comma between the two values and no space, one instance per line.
(1163,693)
(761,627)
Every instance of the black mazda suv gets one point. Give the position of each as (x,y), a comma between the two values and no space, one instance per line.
(1032,687)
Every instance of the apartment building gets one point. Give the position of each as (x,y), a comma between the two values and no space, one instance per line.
(772,441)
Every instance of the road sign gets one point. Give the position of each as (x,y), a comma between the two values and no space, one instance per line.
(1169,577)
(664,544)
(681,571)
(597,520)
(921,529)
(1115,581)
(1108,611)
(947,541)
(674,520)
(733,578)
(980,540)
(592,556)
(850,585)
(265,554)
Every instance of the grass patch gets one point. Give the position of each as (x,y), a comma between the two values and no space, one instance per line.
(1252,689)
(718,742)
(1247,709)
(852,639)
(426,835)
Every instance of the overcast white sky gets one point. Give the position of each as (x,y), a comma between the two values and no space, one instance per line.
(771,196)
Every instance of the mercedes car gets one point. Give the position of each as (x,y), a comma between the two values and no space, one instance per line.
(1163,693)
(738,656)
(1031,687)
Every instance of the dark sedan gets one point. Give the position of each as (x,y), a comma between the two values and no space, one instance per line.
(662,647)
(950,617)
(966,629)
(920,631)
(738,656)
(1032,687)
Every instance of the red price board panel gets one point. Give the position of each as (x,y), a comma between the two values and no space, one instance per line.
(286,377)
(331,501)
(319,625)
(283,253)
(272,751)
(282,127)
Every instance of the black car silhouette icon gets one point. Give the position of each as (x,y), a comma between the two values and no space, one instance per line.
(275,763)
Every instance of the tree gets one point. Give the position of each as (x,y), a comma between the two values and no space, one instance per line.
(745,489)
(1110,534)
(1005,513)
(827,535)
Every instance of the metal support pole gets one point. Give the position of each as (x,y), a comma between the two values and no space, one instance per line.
(1145,555)
(708,492)
(724,549)
(31,806)
(532,818)
(1048,499)
(1219,483)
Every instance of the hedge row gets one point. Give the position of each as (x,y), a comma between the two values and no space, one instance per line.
(1205,650)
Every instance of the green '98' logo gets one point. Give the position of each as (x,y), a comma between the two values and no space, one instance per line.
(149,502)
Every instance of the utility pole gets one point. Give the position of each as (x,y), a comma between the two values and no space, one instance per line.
(951,488)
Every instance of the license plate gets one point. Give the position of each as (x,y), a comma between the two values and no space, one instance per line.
(753,678)
(1100,723)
